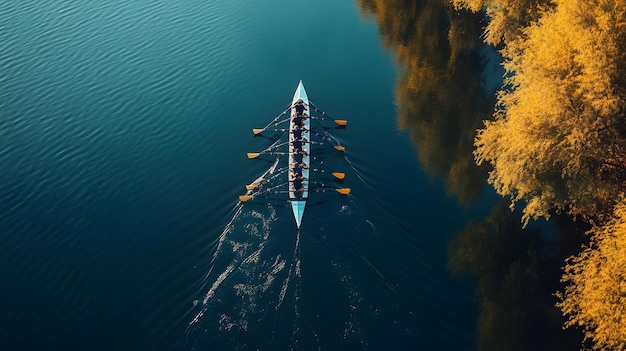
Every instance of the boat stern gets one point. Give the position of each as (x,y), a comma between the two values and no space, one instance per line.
(298,210)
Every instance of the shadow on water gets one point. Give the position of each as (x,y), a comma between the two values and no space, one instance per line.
(446,89)
(443,95)
(517,272)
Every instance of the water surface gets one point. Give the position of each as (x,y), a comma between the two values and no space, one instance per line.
(125,127)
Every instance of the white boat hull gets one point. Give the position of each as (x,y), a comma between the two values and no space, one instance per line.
(298,199)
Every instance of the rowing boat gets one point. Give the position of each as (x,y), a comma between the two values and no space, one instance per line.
(298,189)
(298,199)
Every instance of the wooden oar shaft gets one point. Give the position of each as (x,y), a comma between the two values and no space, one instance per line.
(275,119)
(341,122)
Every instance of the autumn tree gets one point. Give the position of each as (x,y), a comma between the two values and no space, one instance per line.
(595,298)
(558,140)
(507,18)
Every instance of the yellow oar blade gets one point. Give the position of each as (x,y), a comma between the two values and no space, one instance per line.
(244,198)
(257,131)
(339,175)
(251,186)
(340,148)
(343,191)
(253,154)
(341,122)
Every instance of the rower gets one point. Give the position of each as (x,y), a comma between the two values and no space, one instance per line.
(296,168)
(298,155)
(298,184)
(297,131)
(297,144)
(300,106)
(298,120)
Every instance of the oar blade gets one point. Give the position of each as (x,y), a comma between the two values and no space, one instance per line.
(253,154)
(244,198)
(341,122)
(251,186)
(339,175)
(340,148)
(257,131)
(343,191)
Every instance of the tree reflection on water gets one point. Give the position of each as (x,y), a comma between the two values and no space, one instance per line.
(516,271)
(443,93)
(446,90)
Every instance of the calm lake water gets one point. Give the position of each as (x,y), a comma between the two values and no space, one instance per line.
(125,127)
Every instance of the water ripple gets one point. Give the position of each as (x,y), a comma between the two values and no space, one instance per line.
(100,105)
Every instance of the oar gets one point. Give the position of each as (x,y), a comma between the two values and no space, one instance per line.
(255,184)
(277,153)
(341,122)
(263,179)
(338,147)
(248,197)
(268,150)
(257,154)
(290,130)
(252,155)
(342,191)
(338,175)
(281,171)
(259,131)
(244,198)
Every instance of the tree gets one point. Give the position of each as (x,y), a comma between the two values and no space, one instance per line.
(507,17)
(558,140)
(595,298)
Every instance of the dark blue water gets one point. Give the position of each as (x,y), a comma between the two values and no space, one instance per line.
(124,129)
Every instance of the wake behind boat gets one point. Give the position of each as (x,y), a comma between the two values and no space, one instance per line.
(299,155)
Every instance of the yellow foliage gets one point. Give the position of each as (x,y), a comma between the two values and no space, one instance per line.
(472,5)
(595,298)
(507,17)
(556,140)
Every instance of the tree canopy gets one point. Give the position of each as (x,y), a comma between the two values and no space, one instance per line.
(507,17)
(558,140)
(595,298)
